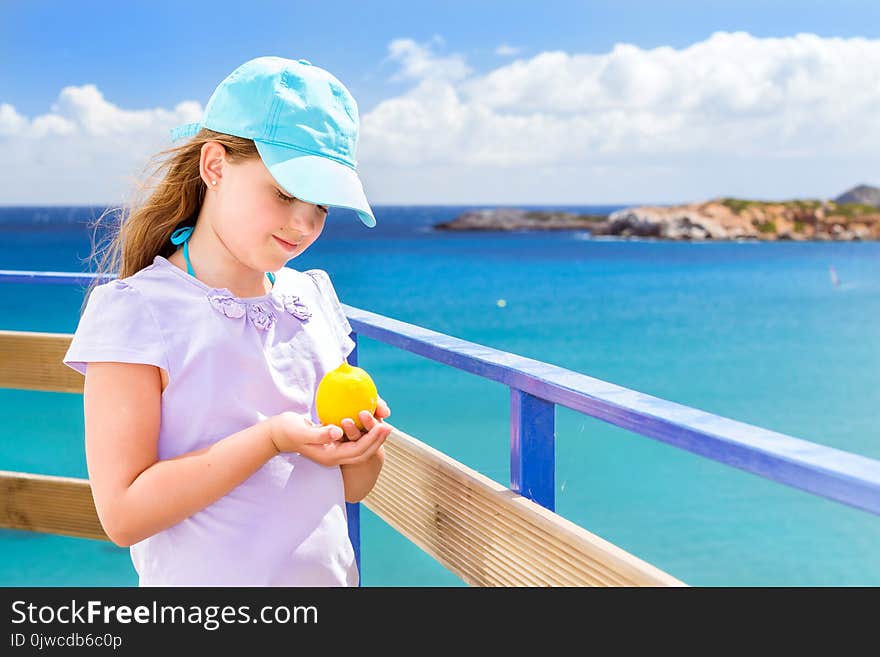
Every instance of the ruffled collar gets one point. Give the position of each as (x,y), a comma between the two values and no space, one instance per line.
(262,311)
(261,314)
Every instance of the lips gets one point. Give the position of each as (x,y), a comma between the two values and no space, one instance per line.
(286,245)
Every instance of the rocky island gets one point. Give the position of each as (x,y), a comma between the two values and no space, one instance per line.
(854,215)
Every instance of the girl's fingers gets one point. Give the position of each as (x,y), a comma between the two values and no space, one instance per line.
(375,445)
(368,444)
(350,428)
(360,448)
(367,419)
(382,409)
(324,435)
(378,435)
(363,457)
(372,443)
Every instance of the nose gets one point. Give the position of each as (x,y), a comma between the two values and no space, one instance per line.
(306,218)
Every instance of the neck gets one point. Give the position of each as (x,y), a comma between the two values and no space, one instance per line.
(215,266)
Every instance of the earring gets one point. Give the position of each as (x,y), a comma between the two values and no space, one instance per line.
(213,182)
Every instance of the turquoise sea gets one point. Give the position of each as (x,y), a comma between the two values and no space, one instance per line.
(752,331)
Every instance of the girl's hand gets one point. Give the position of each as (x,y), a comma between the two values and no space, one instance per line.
(351,430)
(292,432)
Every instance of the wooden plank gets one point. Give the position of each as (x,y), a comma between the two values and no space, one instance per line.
(487,534)
(32,361)
(50,504)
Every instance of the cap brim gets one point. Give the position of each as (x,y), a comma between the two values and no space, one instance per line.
(316,179)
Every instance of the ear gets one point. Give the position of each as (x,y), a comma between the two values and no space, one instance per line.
(212,162)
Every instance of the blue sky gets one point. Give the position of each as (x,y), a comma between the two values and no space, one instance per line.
(147,55)
(157,52)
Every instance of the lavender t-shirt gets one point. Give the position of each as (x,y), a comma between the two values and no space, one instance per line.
(232,362)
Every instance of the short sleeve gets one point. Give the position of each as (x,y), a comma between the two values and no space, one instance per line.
(117,325)
(334,307)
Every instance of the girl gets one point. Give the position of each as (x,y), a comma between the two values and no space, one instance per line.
(202,359)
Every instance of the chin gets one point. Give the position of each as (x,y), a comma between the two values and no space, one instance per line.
(291,256)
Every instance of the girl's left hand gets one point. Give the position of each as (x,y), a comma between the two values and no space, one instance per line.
(350,428)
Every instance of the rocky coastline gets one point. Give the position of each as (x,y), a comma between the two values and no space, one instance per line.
(853,216)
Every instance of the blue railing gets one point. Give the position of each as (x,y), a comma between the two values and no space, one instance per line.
(537,387)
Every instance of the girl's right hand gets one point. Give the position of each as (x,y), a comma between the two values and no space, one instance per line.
(327,445)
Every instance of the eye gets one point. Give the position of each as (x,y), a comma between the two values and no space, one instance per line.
(291,199)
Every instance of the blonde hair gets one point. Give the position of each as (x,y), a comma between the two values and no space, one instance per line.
(171,197)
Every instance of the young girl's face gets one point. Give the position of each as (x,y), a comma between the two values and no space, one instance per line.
(252,213)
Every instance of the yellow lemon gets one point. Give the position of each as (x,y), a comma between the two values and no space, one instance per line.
(344,392)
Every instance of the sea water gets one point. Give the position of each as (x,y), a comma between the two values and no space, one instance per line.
(757,332)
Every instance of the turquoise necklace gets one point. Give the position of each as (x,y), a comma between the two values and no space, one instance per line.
(182,235)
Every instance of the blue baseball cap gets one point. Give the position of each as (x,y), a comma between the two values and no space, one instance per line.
(304,123)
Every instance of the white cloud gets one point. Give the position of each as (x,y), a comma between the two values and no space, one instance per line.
(419,62)
(780,109)
(85,150)
(11,122)
(731,115)
(506,51)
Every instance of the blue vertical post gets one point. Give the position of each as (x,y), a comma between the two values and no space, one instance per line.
(353,511)
(533,447)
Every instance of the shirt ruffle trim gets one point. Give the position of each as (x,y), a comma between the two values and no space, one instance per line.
(262,314)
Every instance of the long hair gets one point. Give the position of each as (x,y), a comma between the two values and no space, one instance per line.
(170,197)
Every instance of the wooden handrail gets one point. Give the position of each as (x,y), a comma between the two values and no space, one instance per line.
(50,504)
(32,361)
(489,535)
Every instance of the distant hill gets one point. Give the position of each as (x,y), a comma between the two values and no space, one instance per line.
(854,215)
(716,219)
(863,195)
